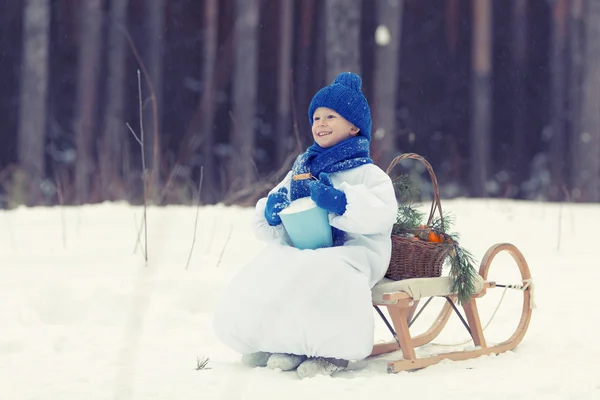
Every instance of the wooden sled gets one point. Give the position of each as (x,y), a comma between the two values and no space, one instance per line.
(402,298)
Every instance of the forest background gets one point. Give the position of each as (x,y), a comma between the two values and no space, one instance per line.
(501,97)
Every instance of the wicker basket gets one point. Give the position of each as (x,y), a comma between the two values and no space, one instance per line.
(417,258)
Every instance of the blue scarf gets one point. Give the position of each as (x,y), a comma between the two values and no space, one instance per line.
(350,153)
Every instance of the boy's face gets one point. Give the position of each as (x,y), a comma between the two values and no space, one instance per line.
(330,128)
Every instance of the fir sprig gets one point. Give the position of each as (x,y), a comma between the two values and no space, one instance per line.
(408,219)
(463,273)
(444,224)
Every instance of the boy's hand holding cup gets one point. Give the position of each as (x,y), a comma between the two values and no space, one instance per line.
(276,202)
(326,196)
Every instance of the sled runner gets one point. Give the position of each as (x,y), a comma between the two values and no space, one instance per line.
(401,298)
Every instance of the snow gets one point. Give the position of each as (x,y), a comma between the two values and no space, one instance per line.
(383,36)
(299,205)
(81,317)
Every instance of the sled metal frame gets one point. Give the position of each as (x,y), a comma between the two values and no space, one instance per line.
(403,308)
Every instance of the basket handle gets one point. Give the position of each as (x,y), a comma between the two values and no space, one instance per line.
(436,193)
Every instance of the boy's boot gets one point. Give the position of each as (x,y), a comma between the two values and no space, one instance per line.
(258,359)
(284,361)
(320,366)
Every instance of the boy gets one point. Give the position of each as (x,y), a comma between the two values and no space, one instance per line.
(311,310)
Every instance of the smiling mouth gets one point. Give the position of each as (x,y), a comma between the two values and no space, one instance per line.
(321,134)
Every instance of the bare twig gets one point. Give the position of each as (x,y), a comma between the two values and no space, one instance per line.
(145,172)
(196,220)
(152,95)
(139,233)
(134,135)
(201,363)
(140,140)
(226,243)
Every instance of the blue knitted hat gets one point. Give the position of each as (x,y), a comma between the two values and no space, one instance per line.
(344,96)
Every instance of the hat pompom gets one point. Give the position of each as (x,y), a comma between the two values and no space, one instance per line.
(348,79)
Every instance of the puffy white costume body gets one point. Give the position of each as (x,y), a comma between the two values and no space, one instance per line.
(314,302)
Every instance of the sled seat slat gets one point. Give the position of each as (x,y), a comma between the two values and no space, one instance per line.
(388,291)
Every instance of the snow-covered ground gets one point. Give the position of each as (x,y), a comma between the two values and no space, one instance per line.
(81,317)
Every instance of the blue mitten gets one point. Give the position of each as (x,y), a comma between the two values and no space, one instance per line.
(276,202)
(326,196)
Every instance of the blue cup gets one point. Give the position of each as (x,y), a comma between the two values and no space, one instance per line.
(307,224)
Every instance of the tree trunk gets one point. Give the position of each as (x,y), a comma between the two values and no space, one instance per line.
(453,87)
(387,62)
(575,75)
(245,78)
(207,103)
(481,97)
(115,136)
(34,88)
(342,37)
(86,102)
(558,102)
(587,139)
(452,22)
(519,156)
(304,68)
(284,132)
(154,29)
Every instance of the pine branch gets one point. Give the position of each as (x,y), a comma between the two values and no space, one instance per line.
(408,219)
(463,272)
(443,224)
